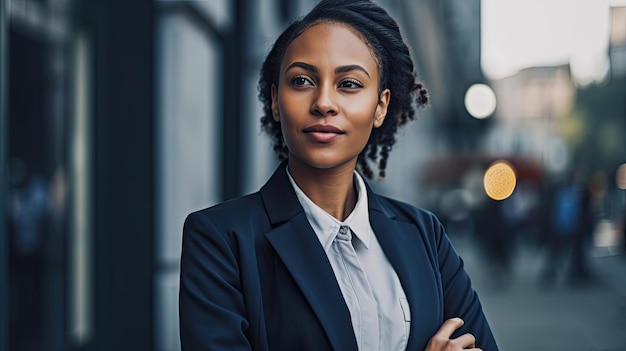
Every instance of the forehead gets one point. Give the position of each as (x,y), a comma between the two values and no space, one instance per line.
(330,43)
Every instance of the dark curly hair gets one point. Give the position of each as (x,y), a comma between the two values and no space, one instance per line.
(395,66)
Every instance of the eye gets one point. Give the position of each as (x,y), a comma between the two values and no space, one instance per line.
(300,81)
(350,84)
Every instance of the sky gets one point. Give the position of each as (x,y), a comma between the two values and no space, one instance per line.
(524,33)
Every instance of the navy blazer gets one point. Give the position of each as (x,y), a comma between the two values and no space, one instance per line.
(255,277)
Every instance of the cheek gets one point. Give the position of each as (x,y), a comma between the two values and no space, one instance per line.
(291,105)
(288,123)
(361,113)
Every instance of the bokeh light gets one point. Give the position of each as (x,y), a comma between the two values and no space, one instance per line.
(480,101)
(499,180)
(620,177)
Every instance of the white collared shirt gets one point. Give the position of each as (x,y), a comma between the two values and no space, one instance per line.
(393,309)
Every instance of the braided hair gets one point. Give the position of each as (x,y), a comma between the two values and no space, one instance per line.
(381,33)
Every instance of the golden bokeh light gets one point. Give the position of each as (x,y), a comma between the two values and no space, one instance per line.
(500,180)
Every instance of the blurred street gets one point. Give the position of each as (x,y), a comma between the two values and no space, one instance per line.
(527,314)
(118,119)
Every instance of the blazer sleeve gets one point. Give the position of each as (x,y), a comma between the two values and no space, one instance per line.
(460,299)
(211,304)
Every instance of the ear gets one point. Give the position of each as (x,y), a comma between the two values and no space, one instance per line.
(275,112)
(381,108)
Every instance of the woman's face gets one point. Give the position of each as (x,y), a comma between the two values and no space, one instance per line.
(327,99)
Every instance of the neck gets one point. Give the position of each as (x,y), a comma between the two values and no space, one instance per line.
(333,189)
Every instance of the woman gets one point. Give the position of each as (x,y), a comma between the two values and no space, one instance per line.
(315,260)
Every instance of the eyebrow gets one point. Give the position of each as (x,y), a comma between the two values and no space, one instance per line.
(341,69)
(349,68)
(302,65)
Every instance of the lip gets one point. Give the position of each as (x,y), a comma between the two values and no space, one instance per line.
(323,128)
(323,133)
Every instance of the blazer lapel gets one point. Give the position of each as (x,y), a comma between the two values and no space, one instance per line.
(403,246)
(296,244)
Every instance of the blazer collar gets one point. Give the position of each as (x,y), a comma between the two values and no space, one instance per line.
(281,202)
(297,245)
(279,198)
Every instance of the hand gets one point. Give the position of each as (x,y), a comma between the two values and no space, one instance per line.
(441,340)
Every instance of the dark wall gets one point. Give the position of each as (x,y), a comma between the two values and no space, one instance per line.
(124,173)
(4,328)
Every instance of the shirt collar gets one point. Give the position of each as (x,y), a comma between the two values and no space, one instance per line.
(359,219)
(326,226)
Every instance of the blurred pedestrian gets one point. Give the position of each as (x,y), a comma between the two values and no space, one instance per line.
(580,271)
(496,237)
(569,224)
(28,218)
(315,260)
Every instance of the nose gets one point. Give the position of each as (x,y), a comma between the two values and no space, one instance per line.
(324,102)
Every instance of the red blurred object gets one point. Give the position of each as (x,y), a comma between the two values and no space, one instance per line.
(452,168)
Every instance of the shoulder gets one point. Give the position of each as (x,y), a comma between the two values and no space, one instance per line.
(404,212)
(229,213)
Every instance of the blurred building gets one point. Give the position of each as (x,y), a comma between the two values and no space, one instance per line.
(533,116)
(444,36)
(462,28)
(118,118)
(617,41)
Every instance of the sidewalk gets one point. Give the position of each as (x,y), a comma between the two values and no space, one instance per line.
(526,315)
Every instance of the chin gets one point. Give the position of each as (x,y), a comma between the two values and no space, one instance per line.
(326,161)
